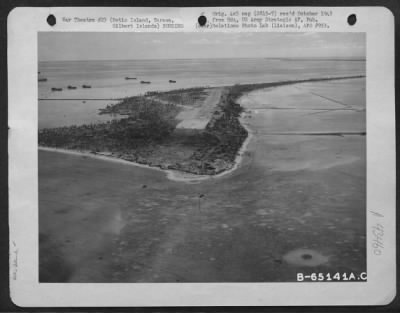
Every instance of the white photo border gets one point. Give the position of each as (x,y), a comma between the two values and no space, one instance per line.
(380,288)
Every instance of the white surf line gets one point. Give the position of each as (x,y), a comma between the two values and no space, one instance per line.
(301,109)
(99,156)
(330,99)
(327,133)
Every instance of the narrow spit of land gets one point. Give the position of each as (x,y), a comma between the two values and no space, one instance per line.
(152,133)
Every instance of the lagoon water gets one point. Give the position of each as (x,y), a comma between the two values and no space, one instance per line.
(107,79)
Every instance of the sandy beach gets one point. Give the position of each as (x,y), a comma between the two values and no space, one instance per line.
(103,221)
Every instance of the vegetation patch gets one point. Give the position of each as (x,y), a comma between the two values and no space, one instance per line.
(147,134)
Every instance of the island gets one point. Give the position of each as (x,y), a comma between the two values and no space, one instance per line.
(193,130)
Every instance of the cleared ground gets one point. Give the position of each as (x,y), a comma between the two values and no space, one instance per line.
(198,117)
(296,203)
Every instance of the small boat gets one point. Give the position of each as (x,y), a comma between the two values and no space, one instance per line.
(56,89)
(42,79)
(145,82)
(86,86)
(71,87)
(127,78)
(172,81)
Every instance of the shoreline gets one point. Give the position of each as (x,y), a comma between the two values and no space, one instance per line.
(183,176)
(188,177)
(174,175)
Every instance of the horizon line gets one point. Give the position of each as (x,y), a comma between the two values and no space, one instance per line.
(333,58)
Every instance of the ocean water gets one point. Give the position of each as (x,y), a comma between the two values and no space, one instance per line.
(107,80)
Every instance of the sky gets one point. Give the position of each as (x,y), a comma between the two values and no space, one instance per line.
(61,46)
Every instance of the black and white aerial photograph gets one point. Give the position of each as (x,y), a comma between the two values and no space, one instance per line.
(203,157)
